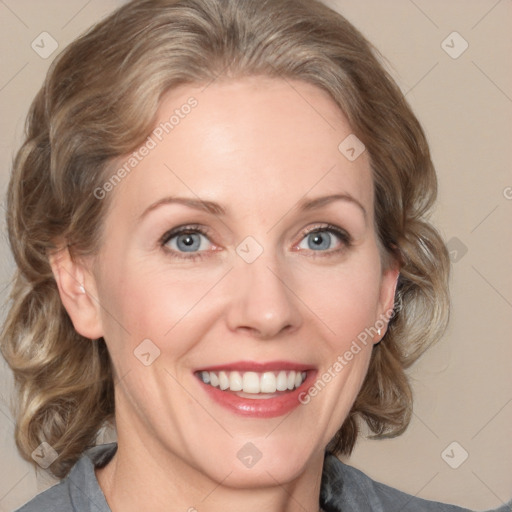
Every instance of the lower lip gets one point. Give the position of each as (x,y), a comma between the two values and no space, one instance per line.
(260,407)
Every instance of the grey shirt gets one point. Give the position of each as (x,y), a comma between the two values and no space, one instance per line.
(344,489)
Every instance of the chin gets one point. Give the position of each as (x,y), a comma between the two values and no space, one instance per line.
(260,462)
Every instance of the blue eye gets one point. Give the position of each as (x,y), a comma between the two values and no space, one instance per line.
(186,242)
(186,239)
(192,242)
(327,238)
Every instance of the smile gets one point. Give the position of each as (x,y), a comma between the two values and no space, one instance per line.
(257,389)
(254,383)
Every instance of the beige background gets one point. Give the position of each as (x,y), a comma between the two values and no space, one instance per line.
(463,387)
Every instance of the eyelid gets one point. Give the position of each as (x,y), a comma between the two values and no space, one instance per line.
(180,230)
(343,235)
(345,238)
(184,228)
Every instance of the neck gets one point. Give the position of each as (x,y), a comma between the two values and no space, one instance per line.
(145,477)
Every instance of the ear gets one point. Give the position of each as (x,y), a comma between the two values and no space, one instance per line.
(77,289)
(389,283)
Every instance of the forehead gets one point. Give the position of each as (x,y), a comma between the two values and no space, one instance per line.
(247,143)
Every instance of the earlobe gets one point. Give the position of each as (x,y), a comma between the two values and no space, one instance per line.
(77,290)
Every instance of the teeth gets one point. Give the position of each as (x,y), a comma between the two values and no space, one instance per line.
(282,381)
(268,383)
(223,380)
(291,381)
(253,382)
(235,381)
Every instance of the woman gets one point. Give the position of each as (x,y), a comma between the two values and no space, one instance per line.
(219,220)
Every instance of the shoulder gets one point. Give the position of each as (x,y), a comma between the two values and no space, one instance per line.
(348,489)
(79,491)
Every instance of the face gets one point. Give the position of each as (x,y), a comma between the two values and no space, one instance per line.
(239,264)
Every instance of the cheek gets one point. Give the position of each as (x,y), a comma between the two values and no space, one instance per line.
(344,298)
(141,301)
(177,307)
(344,301)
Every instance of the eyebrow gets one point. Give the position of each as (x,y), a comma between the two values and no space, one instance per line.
(312,204)
(217,209)
(197,204)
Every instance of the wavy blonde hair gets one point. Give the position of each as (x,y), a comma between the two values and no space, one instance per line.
(99,102)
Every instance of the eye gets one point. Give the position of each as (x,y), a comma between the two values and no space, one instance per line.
(186,239)
(325,238)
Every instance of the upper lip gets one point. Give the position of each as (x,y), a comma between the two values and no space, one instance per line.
(259,367)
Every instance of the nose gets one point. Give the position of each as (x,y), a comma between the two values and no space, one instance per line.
(263,302)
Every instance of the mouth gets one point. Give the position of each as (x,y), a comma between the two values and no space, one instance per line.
(260,390)
(254,384)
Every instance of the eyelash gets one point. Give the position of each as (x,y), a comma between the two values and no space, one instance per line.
(183,230)
(343,236)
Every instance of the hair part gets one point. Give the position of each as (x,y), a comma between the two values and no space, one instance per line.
(99,102)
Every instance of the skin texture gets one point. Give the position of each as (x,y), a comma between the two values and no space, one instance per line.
(258,147)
